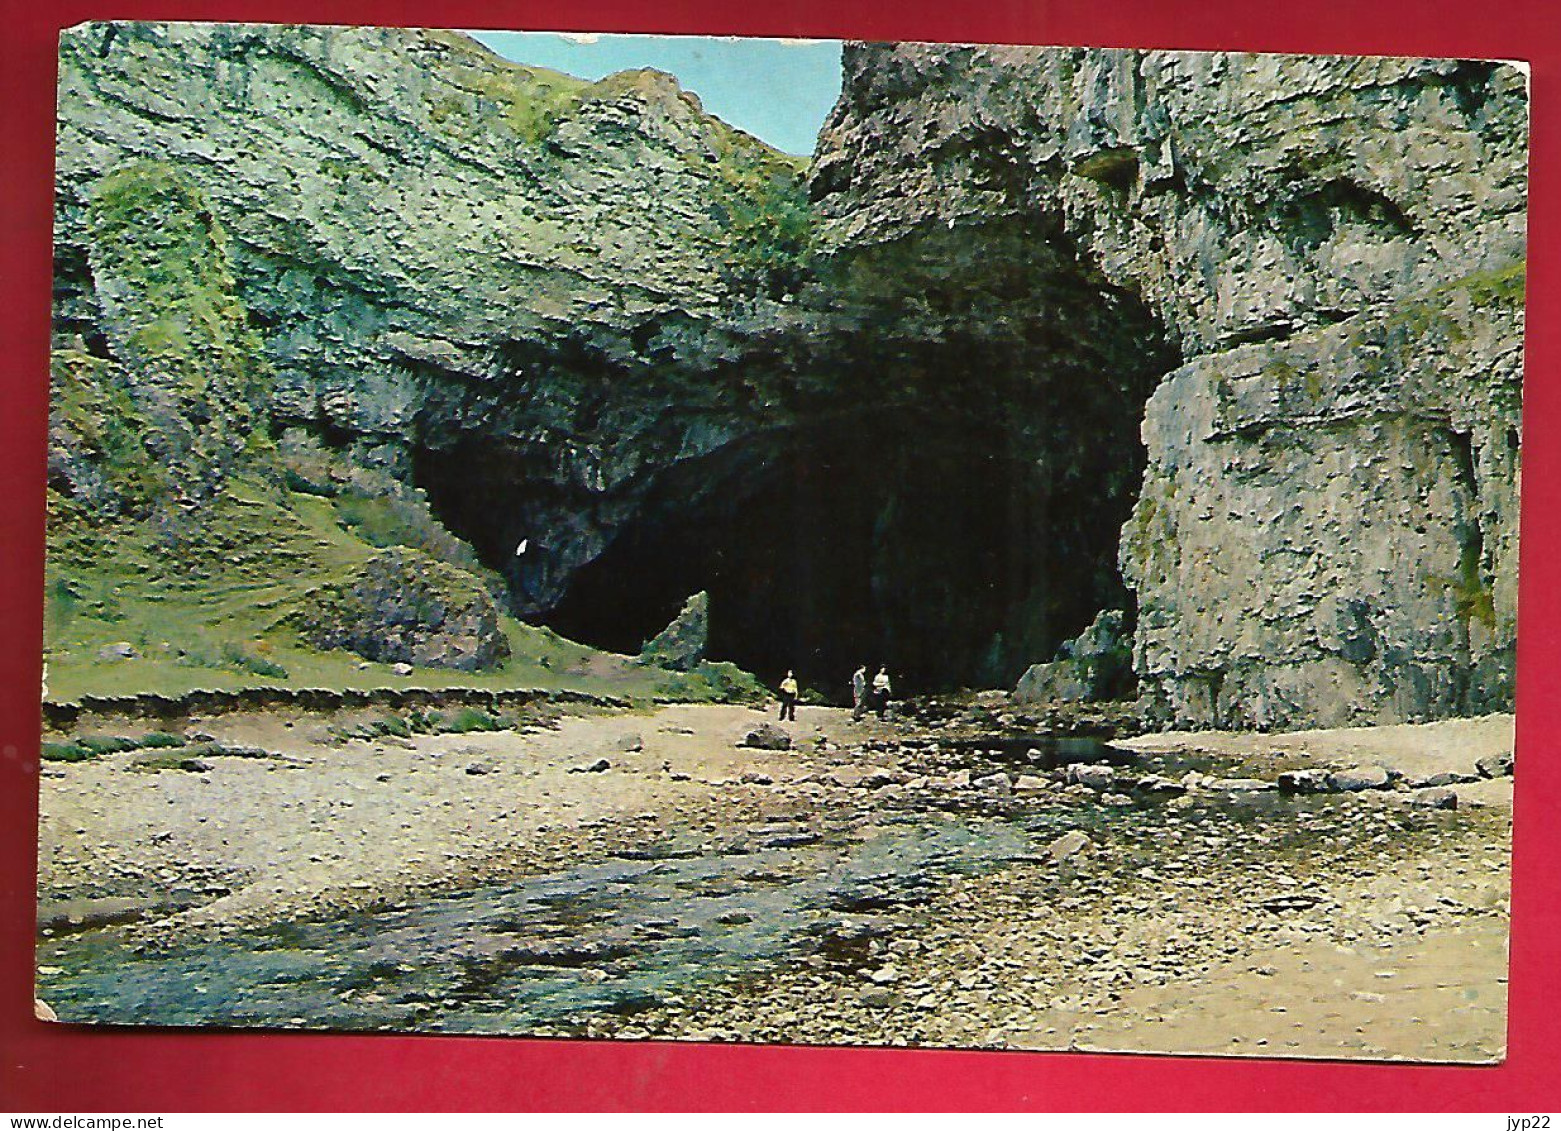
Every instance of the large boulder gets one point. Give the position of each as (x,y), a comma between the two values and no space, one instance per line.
(681,645)
(402,606)
(1096,664)
(767,736)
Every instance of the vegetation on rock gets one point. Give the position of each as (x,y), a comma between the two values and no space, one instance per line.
(192,368)
(681,645)
(402,606)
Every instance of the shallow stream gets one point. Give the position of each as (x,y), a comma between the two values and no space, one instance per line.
(619,936)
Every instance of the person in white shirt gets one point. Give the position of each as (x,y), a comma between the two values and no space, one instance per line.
(859,693)
(881,690)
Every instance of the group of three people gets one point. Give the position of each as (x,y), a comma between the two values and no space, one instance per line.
(863,696)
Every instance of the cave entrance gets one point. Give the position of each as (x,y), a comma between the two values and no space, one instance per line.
(935,478)
(926,544)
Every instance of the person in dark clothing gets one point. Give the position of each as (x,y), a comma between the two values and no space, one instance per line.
(788,694)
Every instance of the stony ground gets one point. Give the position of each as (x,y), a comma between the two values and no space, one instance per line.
(1213,920)
(1386,954)
(327,825)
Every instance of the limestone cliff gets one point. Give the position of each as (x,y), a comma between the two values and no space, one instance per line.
(1234,341)
(1327,526)
(497,270)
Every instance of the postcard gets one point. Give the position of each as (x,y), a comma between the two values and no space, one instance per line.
(678,538)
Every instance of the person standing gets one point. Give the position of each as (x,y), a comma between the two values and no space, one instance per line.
(881,690)
(788,693)
(859,693)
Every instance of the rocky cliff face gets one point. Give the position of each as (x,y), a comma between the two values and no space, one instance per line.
(585,317)
(537,287)
(1326,528)
(1242,332)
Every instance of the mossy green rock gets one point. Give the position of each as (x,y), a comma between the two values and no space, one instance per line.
(1097,664)
(403,606)
(171,398)
(681,645)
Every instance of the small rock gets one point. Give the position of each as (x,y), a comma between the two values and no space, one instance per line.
(886,976)
(791,840)
(1437,797)
(401,669)
(1117,799)
(1096,777)
(1238,785)
(195,766)
(1032,783)
(595,767)
(993,783)
(1068,844)
(1496,765)
(123,650)
(877,779)
(1154,783)
(1445,777)
(477,769)
(629,744)
(1360,778)
(1304,781)
(754,778)
(42,1012)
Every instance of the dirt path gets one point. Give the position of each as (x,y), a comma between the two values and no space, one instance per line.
(1441,997)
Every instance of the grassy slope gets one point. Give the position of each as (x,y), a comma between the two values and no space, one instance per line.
(215,617)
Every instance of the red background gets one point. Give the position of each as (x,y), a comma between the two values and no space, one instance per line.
(60,1068)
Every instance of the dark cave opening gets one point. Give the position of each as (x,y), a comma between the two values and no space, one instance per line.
(941,487)
(883,541)
(925,543)
(933,545)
